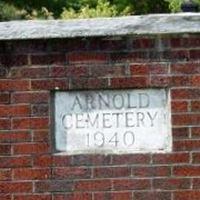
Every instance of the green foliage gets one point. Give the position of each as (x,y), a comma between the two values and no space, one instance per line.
(103,8)
(150,6)
(10,12)
(110,8)
(175,5)
(67,9)
(54,6)
(124,7)
(43,13)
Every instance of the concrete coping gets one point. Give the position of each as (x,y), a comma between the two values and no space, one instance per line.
(118,26)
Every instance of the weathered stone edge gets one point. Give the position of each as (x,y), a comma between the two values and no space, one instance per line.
(119,26)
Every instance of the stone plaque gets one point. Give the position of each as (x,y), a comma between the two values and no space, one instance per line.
(113,121)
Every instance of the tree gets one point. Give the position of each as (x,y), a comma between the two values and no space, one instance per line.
(66,9)
(10,12)
(110,8)
(175,5)
(101,8)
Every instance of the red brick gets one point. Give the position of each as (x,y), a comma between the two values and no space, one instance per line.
(139,69)
(151,171)
(63,161)
(14,85)
(186,171)
(68,71)
(180,81)
(155,195)
(89,83)
(132,82)
(185,94)
(92,185)
(196,183)
(180,94)
(30,97)
(194,54)
(30,72)
(156,69)
(185,119)
(171,158)
(187,195)
(25,135)
(59,71)
(108,44)
(185,68)
(33,197)
(196,80)
(12,162)
(5,174)
(91,160)
(180,133)
(30,123)
(53,186)
(196,158)
(71,173)
(14,110)
(177,55)
(195,106)
(97,83)
(124,57)
(51,58)
(179,106)
(186,145)
(30,148)
(160,81)
(113,196)
(195,132)
(131,184)
(42,161)
(51,84)
(87,57)
(31,174)
(171,183)
(15,136)
(175,42)
(10,60)
(143,43)
(6,197)
(108,172)
(5,149)
(73,196)
(75,44)
(4,98)
(130,159)
(15,187)
(40,110)
(185,42)
(192,41)
(107,71)
(4,124)
(41,135)
(21,123)
(30,46)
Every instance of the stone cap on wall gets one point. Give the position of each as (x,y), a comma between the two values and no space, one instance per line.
(118,26)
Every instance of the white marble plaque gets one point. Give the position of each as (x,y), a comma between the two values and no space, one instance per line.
(113,121)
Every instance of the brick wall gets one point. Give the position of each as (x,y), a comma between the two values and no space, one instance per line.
(32,69)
